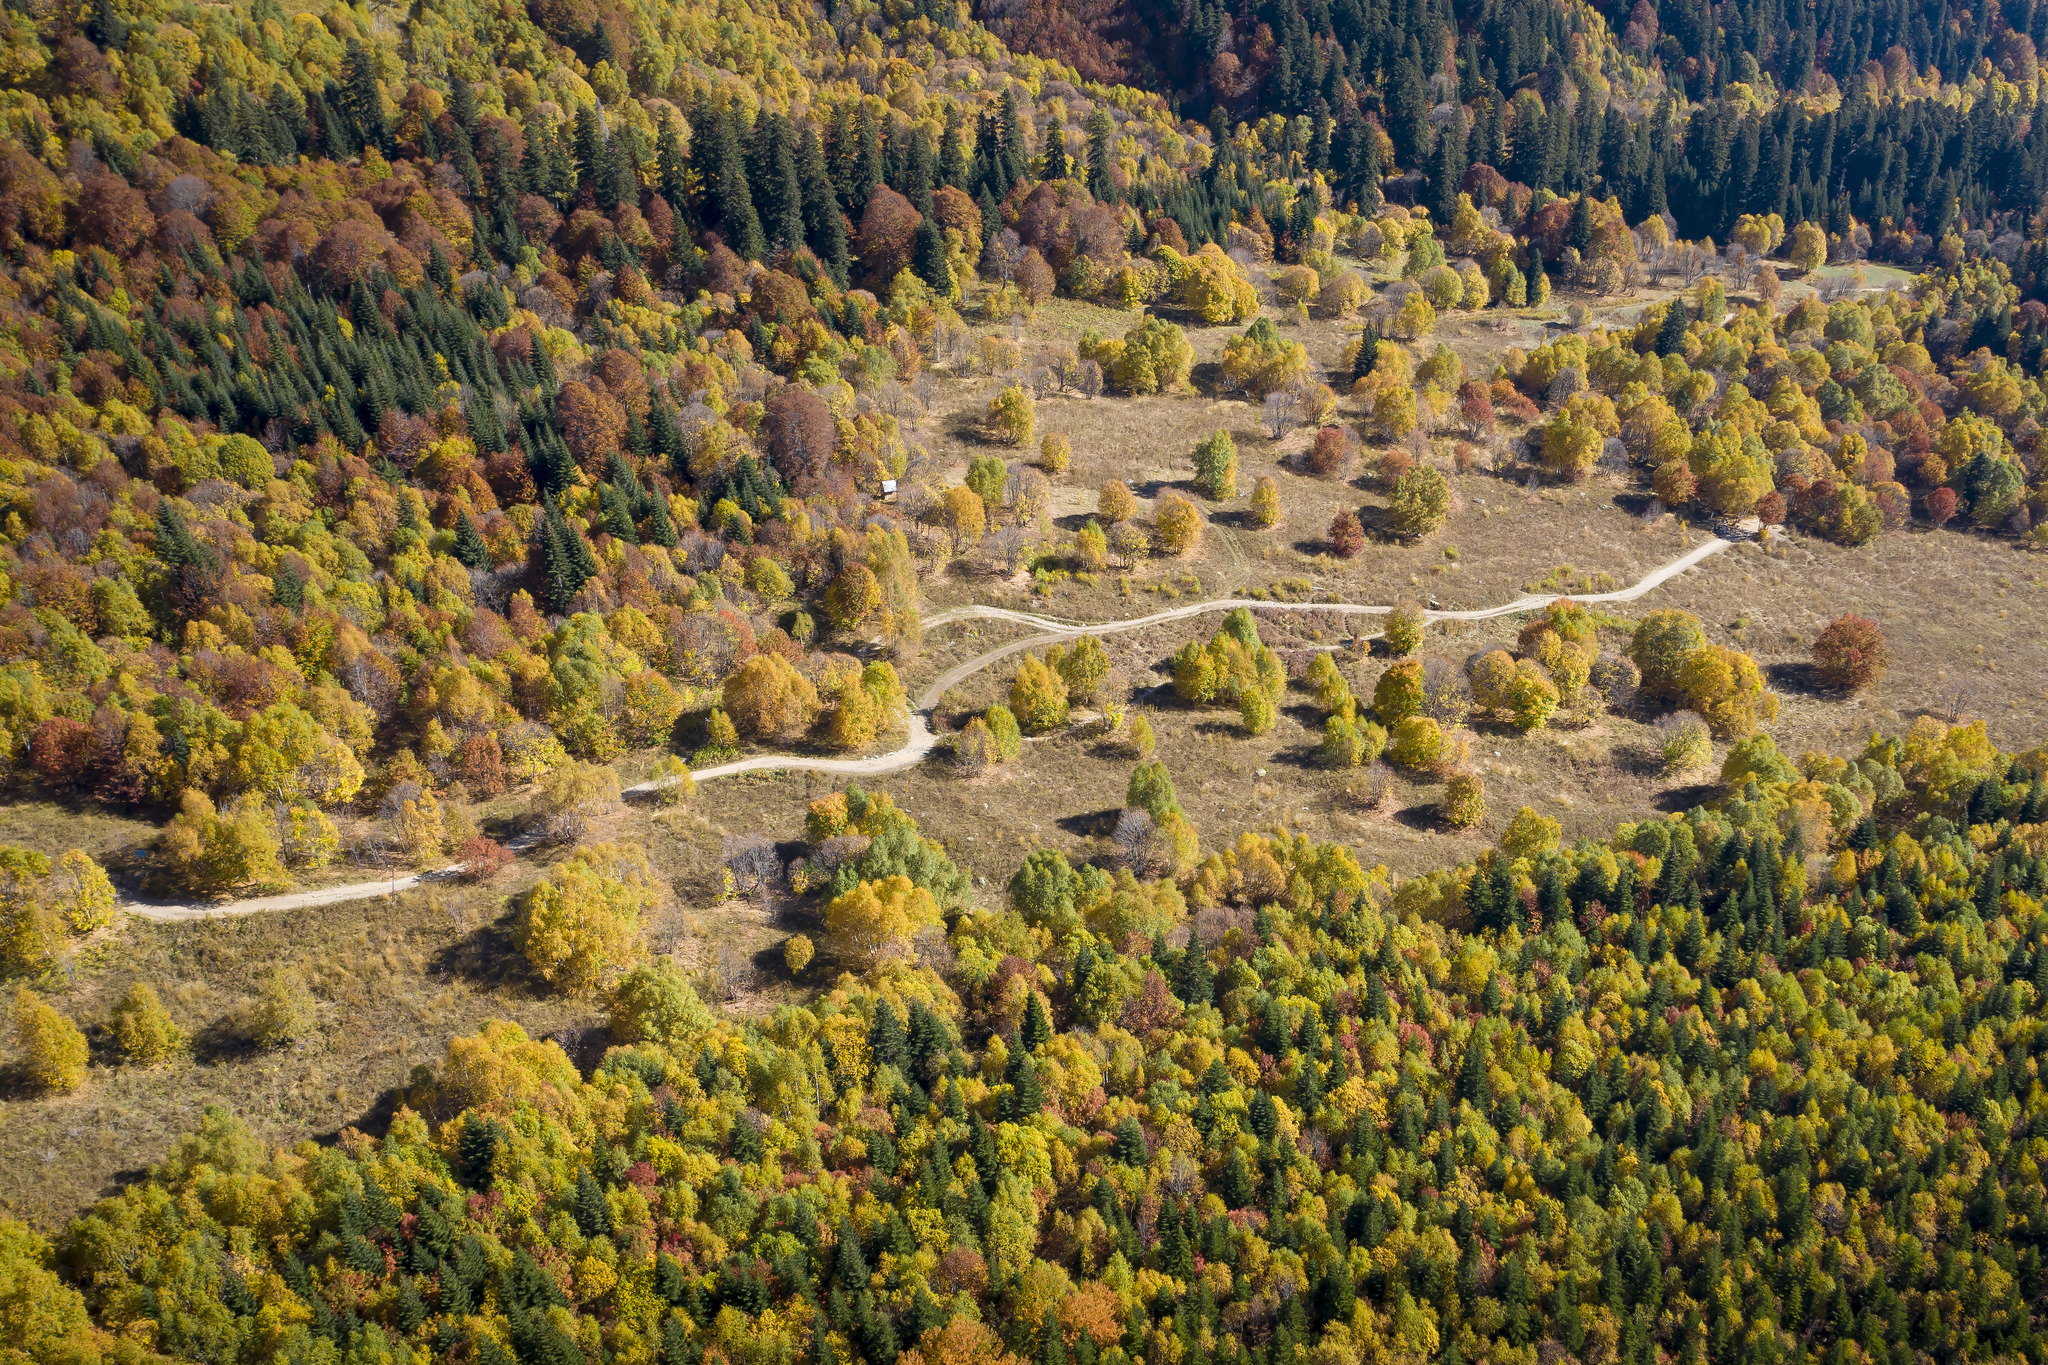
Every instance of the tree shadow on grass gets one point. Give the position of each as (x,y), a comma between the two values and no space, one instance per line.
(486,956)
(1685,798)
(1084,824)
(1799,678)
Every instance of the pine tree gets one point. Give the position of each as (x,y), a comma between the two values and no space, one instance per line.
(593,1215)
(778,186)
(866,165)
(1053,161)
(1101,130)
(824,227)
(955,161)
(287,588)
(929,258)
(1036,1031)
(725,172)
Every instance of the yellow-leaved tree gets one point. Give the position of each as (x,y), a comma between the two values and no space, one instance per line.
(42,908)
(580,926)
(210,851)
(877,921)
(51,1046)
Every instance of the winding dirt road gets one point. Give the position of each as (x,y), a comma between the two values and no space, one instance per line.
(919,742)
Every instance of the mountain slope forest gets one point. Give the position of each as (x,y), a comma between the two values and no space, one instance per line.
(403,408)
(1698,1092)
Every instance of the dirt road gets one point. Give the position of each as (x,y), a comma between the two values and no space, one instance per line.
(920,741)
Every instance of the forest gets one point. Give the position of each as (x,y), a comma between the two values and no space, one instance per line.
(406,413)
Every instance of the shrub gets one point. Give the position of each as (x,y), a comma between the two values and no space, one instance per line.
(1333,693)
(483,858)
(1404,629)
(1421,502)
(1216,466)
(1755,757)
(656,1003)
(1084,666)
(1004,731)
(1851,654)
(572,796)
(1464,803)
(1012,414)
(1115,503)
(143,1028)
(1179,525)
(1346,535)
(797,953)
(1660,646)
(1038,696)
(975,748)
(53,1051)
(1255,709)
(768,699)
(1399,692)
(1055,453)
(1139,741)
(1213,287)
(1349,742)
(1330,452)
(1261,361)
(284,1012)
(1417,743)
(1265,508)
(1685,746)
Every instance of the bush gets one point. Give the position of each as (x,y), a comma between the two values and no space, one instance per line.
(1331,451)
(1851,654)
(1421,502)
(1255,709)
(1346,535)
(1003,730)
(143,1028)
(1055,453)
(1464,803)
(1216,466)
(1685,746)
(797,952)
(1530,835)
(1214,289)
(1349,742)
(52,1049)
(1399,692)
(1139,741)
(1403,631)
(1180,525)
(656,1003)
(284,1012)
(483,857)
(1265,509)
(975,748)
(1417,743)
(1012,414)
(1038,696)
(572,796)
(768,699)
(1115,503)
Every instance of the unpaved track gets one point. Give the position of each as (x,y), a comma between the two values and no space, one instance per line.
(920,741)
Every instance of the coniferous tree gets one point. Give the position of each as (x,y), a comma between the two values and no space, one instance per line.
(469,544)
(778,187)
(824,226)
